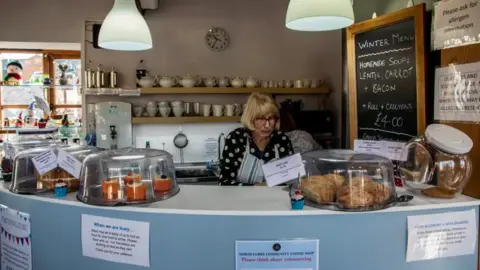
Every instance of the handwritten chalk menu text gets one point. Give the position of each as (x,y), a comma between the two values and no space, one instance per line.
(386,82)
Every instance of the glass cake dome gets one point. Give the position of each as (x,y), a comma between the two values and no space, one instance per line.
(127,176)
(30,177)
(24,139)
(347,180)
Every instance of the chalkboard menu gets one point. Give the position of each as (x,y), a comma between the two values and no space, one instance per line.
(385,82)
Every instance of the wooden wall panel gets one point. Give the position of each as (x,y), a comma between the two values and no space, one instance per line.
(465,55)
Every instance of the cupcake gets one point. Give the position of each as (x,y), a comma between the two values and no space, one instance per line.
(135,189)
(162,183)
(60,189)
(297,200)
(111,189)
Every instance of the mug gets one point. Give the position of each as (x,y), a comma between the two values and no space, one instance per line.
(271,84)
(207,109)
(178,111)
(265,84)
(137,111)
(165,111)
(280,84)
(298,84)
(163,104)
(238,109)
(306,82)
(151,111)
(288,83)
(177,103)
(230,110)
(218,110)
(315,83)
(151,104)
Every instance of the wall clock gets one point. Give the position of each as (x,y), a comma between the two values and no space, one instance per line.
(217,39)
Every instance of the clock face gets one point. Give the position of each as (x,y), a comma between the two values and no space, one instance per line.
(217,39)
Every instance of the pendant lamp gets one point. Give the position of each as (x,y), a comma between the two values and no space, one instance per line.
(319,15)
(125,29)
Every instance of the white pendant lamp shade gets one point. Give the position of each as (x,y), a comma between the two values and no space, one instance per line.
(125,29)
(319,15)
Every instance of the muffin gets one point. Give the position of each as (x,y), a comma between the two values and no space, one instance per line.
(162,183)
(111,189)
(135,189)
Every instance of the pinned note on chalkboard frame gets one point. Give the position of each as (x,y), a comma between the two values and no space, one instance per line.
(386,69)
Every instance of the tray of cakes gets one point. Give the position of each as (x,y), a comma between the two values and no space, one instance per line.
(22,140)
(348,181)
(39,169)
(127,176)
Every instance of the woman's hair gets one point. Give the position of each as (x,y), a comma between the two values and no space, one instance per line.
(286,121)
(259,105)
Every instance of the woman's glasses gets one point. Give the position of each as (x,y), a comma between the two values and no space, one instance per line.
(261,121)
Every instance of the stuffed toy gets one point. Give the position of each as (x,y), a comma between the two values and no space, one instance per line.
(14,72)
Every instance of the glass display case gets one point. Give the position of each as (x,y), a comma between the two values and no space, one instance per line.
(348,181)
(22,140)
(28,179)
(127,176)
(439,158)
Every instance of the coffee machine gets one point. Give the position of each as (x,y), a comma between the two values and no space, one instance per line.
(113,125)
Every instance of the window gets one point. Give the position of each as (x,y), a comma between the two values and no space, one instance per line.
(64,96)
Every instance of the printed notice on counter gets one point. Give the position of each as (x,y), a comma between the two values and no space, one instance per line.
(441,235)
(389,149)
(69,163)
(16,240)
(457,93)
(45,162)
(116,240)
(276,255)
(280,171)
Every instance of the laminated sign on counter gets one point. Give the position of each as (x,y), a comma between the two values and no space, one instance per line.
(456,23)
(15,239)
(457,93)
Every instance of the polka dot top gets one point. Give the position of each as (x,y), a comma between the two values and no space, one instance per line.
(234,151)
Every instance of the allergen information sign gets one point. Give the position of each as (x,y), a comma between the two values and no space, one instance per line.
(277,255)
(441,235)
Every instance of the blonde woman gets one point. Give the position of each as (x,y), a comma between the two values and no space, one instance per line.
(257,142)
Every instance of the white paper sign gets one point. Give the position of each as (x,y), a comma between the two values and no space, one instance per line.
(15,239)
(441,235)
(9,150)
(388,149)
(457,93)
(116,240)
(45,162)
(69,163)
(211,148)
(456,23)
(280,171)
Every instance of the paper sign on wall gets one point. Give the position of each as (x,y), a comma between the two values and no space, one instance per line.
(45,162)
(116,240)
(280,171)
(457,93)
(16,240)
(441,235)
(456,23)
(69,163)
(291,255)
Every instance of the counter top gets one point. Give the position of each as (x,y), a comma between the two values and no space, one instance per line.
(247,201)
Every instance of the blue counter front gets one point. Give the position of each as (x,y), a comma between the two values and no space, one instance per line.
(197,229)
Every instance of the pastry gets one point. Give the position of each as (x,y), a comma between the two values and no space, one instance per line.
(362,192)
(48,180)
(111,189)
(437,192)
(162,183)
(322,188)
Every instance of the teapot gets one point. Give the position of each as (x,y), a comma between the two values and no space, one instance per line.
(188,81)
(252,82)
(237,82)
(210,81)
(146,82)
(223,82)
(167,81)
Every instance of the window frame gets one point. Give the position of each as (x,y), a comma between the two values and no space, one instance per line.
(48,68)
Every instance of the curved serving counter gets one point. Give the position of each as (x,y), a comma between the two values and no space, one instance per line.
(197,229)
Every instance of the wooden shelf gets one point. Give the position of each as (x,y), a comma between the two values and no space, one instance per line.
(185,120)
(233,90)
